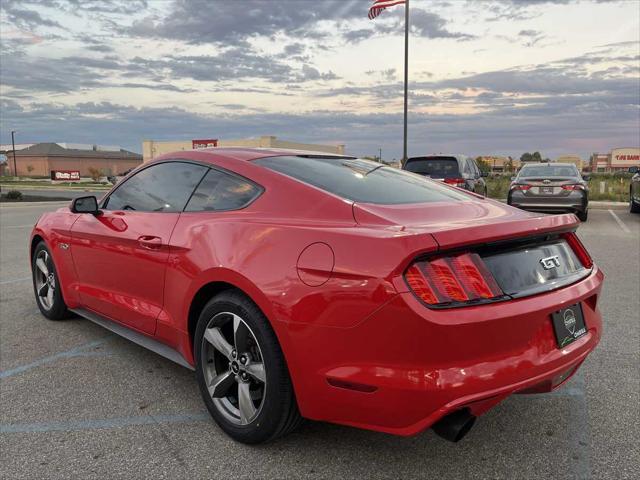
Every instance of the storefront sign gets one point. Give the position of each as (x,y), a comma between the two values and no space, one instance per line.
(65,175)
(207,143)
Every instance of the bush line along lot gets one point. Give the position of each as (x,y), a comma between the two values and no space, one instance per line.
(79,402)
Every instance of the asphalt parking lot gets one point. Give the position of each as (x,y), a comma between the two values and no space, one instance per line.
(78,402)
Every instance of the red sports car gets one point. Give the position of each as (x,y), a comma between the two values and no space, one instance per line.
(325,287)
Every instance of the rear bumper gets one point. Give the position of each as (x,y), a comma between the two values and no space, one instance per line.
(574,202)
(419,364)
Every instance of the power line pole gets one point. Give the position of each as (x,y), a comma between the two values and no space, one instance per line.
(380,157)
(406,77)
(13,146)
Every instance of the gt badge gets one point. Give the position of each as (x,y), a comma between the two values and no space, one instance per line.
(550,262)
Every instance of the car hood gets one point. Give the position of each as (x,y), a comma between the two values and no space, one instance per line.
(454,224)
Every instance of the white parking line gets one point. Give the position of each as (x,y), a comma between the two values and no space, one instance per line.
(624,228)
(18,226)
(7,282)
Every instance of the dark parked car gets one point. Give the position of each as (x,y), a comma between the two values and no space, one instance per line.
(113,179)
(550,188)
(634,190)
(457,170)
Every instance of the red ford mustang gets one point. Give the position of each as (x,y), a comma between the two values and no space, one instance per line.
(325,287)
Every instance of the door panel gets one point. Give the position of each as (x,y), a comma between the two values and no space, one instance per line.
(120,259)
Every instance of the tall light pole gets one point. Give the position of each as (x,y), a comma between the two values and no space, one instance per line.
(380,157)
(406,77)
(13,146)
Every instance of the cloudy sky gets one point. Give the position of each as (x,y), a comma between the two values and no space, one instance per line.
(486,77)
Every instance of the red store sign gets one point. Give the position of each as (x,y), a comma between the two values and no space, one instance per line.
(65,175)
(206,143)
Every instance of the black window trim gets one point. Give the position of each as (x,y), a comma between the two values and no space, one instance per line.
(260,188)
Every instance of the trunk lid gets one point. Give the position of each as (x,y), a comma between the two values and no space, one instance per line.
(547,186)
(455,224)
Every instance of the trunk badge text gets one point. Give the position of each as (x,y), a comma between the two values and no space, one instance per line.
(550,262)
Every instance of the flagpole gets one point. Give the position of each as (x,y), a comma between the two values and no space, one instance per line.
(406,76)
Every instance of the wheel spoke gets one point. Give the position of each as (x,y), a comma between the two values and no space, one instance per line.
(42,266)
(246,406)
(221,384)
(43,290)
(214,337)
(256,370)
(240,334)
(50,297)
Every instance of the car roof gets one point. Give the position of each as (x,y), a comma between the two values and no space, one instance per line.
(248,154)
(552,164)
(457,156)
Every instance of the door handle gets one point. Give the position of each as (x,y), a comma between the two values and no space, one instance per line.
(150,242)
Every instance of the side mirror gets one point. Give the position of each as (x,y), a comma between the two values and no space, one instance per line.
(85,205)
(586,177)
(634,170)
(513,179)
(484,174)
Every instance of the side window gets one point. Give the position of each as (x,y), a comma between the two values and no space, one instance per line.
(221,191)
(467,167)
(165,187)
(474,167)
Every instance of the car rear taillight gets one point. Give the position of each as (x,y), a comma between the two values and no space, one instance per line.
(458,278)
(578,248)
(520,187)
(456,182)
(573,187)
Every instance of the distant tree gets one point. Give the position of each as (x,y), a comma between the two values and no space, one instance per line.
(30,168)
(531,157)
(483,165)
(95,173)
(526,157)
(508,166)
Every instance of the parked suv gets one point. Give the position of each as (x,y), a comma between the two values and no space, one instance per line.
(634,190)
(457,170)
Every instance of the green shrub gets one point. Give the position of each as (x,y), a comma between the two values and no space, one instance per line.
(14,195)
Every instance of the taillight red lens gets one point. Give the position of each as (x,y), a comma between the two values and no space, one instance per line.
(520,187)
(578,248)
(444,280)
(456,182)
(456,279)
(573,187)
(475,277)
(419,285)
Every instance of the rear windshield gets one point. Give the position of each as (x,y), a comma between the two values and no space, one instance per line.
(436,167)
(362,180)
(548,170)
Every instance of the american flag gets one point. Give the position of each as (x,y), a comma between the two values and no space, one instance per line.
(379,5)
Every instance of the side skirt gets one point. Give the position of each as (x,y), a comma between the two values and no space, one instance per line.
(133,336)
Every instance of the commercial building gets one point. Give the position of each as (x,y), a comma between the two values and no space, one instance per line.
(575,159)
(40,159)
(619,159)
(152,148)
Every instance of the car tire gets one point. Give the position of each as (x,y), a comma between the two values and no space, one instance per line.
(583,216)
(633,206)
(46,284)
(267,409)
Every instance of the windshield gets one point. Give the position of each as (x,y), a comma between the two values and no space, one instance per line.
(362,180)
(548,170)
(436,167)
